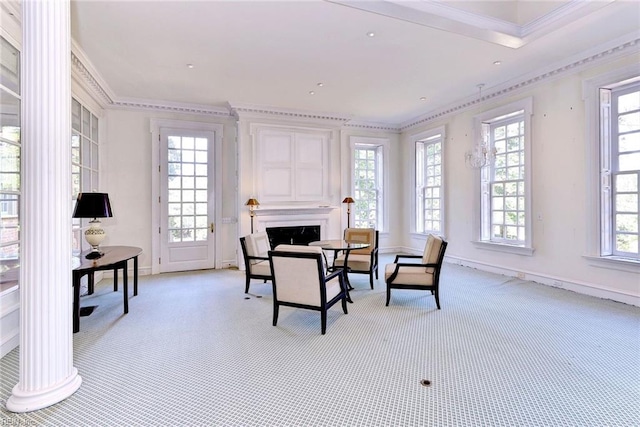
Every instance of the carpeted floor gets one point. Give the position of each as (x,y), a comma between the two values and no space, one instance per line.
(501,352)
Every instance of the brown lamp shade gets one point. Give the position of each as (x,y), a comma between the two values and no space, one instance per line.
(92,205)
(348,200)
(252,202)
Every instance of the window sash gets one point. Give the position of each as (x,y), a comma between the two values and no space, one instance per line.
(429,194)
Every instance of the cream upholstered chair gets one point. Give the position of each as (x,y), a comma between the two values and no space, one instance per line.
(364,261)
(299,280)
(422,276)
(255,250)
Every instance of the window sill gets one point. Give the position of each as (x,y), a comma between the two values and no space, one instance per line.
(498,247)
(614,263)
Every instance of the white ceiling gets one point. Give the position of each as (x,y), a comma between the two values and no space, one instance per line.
(273,53)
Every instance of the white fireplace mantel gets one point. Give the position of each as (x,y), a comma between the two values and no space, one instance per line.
(293,210)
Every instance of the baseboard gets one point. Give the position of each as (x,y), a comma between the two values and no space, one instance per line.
(580,287)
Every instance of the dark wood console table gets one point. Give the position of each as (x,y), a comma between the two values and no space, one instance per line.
(114,258)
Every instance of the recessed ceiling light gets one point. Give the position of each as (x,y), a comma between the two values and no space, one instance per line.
(371,34)
(423,98)
(497,62)
(320,84)
(311,92)
(189,66)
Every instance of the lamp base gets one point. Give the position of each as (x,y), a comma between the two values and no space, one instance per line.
(94,255)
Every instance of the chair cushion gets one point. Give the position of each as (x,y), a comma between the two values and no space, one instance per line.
(297,280)
(257,245)
(431,251)
(361,235)
(409,275)
(262,268)
(356,262)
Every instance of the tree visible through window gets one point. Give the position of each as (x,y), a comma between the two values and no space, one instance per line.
(367,186)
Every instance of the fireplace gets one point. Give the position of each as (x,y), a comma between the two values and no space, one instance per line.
(293,235)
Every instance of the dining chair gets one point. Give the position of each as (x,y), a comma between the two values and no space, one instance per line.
(255,250)
(362,261)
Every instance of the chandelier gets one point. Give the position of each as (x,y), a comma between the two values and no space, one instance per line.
(482,154)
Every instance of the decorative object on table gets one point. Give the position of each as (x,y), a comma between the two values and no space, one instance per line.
(93,205)
(348,200)
(252,203)
(482,154)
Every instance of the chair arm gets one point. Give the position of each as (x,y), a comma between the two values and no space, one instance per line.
(408,264)
(263,258)
(334,274)
(406,256)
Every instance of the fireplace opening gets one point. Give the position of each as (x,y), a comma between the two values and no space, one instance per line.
(293,235)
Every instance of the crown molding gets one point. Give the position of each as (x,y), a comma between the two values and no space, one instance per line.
(620,48)
(246,111)
(386,127)
(174,107)
(84,71)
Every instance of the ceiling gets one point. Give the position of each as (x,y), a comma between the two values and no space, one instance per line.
(274,54)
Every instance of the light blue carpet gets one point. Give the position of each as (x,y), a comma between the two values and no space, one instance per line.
(501,352)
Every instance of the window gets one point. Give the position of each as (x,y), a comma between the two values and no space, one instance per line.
(505,196)
(10,152)
(84,160)
(429,202)
(620,170)
(368,182)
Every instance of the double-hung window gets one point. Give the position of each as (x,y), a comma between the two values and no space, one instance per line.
(429,201)
(620,171)
(505,192)
(369,159)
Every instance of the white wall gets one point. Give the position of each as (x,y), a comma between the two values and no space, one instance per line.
(127,177)
(559,192)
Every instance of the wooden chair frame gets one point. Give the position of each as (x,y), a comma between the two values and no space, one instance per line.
(247,265)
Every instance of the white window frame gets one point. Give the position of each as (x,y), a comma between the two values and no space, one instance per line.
(382,147)
(482,205)
(598,247)
(430,136)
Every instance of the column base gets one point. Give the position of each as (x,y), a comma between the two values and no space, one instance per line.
(21,401)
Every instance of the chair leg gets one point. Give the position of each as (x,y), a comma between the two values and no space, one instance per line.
(276,308)
(437,299)
(344,305)
(323,320)
(371,279)
(246,287)
(388,294)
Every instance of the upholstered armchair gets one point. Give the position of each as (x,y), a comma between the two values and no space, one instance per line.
(363,261)
(300,280)
(422,275)
(255,250)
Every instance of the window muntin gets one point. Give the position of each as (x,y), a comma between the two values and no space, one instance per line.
(429,201)
(367,186)
(506,181)
(84,161)
(621,209)
(10,166)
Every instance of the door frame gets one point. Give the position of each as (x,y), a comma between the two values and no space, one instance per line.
(155,126)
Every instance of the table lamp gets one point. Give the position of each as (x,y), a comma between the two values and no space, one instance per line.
(252,203)
(93,205)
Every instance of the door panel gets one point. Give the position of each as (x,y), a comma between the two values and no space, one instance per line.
(187,202)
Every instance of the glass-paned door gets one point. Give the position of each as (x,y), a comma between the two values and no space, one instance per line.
(186,224)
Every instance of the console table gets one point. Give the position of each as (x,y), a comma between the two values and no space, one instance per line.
(114,258)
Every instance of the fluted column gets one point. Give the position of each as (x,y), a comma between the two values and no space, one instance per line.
(47,375)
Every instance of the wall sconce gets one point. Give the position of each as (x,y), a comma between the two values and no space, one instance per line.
(348,201)
(93,205)
(252,203)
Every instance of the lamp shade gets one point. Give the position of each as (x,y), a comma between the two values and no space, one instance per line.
(252,202)
(92,205)
(348,200)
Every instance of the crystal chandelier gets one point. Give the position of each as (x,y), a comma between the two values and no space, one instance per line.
(482,154)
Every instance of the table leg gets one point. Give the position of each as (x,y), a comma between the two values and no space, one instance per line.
(90,283)
(76,302)
(125,287)
(135,276)
(346,269)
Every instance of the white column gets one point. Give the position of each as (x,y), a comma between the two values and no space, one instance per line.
(47,375)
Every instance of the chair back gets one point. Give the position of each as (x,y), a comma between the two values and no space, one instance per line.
(362,235)
(257,244)
(298,274)
(433,252)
